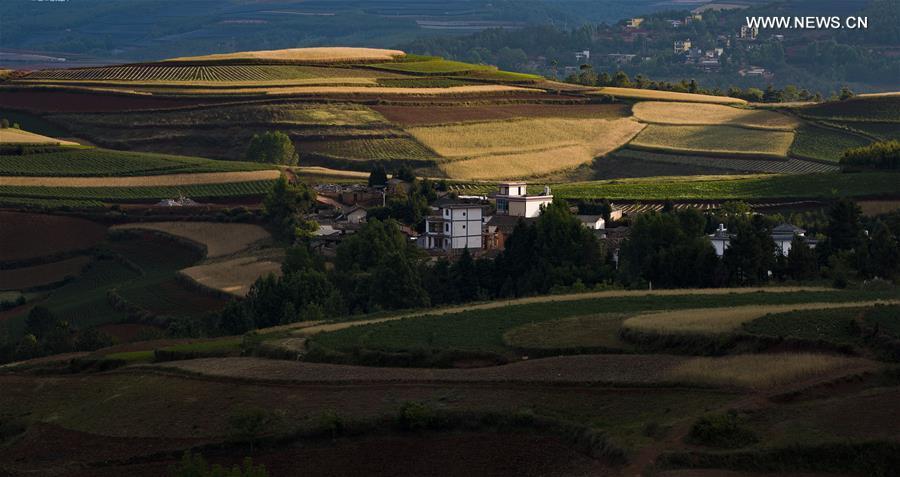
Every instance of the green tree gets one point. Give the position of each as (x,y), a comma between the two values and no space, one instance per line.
(40,322)
(405,173)
(4,123)
(843,230)
(378,176)
(801,261)
(283,206)
(274,147)
(751,252)
(248,424)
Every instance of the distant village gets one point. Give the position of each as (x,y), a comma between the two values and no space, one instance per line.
(708,60)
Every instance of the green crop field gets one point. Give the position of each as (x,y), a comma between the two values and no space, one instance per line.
(390,148)
(484,329)
(881,131)
(105,162)
(874,108)
(836,325)
(438,82)
(231,189)
(789,166)
(714,139)
(824,144)
(797,186)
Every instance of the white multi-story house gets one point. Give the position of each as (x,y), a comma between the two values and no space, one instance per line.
(456,226)
(512,199)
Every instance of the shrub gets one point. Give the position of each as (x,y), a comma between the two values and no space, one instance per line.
(194,465)
(724,431)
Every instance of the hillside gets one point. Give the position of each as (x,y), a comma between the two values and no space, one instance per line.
(348,108)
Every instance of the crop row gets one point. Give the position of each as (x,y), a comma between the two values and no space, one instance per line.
(824,144)
(105,162)
(231,189)
(371,148)
(790,166)
(194,73)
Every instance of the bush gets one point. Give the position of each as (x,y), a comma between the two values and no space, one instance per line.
(724,431)
(194,465)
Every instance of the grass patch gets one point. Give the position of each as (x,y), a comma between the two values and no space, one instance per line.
(726,431)
(726,140)
(834,325)
(823,144)
(436,66)
(745,187)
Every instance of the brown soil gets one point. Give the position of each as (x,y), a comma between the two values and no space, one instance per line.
(40,275)
(71,102)
(25,236)
(565,369)
(421,115)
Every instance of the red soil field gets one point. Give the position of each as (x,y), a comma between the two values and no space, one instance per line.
(24,236)
(43,274)
(70,102)
(421,115)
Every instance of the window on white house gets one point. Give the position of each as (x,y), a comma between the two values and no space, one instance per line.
(446,227)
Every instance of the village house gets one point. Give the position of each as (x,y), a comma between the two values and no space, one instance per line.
(782,235)
(583,55)
(355,215)
(634,23)
(454,227)
(513,200)
(592,222)
(682,46)
(748,33)
(620,58)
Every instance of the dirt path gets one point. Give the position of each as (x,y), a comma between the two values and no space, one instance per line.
(305,330)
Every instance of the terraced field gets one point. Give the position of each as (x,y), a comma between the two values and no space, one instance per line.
(303,55)
(136,193)
(654,95)
(524,147)
(18,136)
(656,112)
(388,148)
(861,108)
(787,166)
(161,73)
(824,144)
(751,187)
(96,162)
(723,140)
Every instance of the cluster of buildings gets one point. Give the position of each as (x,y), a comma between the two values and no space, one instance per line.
(481,224)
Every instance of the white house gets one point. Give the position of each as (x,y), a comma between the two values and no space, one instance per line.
(593,222)
(782,235)
(513,200)
(356,215)
(456,226)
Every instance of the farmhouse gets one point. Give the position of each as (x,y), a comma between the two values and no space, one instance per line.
(634,23)
(356,215)
(682,46)
(592,222)
(455,227)
(513,200)
(782,235)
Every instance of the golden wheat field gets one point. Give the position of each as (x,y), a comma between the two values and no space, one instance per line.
(760,371)
(634,93)
(661,112)
(234,276)
(18,136)
(722,320)
(219,239)
(145,181)
(523,148)
(311,55)
(220,86)
(727,140)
